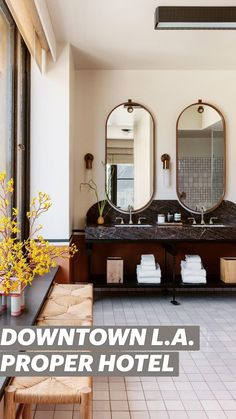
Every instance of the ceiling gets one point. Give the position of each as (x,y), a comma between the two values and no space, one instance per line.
(119,34)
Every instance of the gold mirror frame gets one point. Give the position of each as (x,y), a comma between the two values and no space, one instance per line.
(128,104)
(200,103)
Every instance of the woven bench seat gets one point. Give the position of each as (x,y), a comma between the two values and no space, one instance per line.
(48,389)
(67,305)
(58,305)
(65,321)
(70,305)
(77,290)
(62,390)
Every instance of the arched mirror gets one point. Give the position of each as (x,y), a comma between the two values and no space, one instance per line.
(130,157)
(200,157)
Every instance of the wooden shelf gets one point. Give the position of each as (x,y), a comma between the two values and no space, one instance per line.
(99,281)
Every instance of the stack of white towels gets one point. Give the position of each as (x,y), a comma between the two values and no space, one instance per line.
(192,270)
(148,272)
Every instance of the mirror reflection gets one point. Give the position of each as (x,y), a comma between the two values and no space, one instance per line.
(200,157)
(129,157)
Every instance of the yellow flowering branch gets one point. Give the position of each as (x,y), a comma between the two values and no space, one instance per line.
(21,261)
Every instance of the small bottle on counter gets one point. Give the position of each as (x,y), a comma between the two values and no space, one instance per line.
(161,218)
(177,217)
(170,217)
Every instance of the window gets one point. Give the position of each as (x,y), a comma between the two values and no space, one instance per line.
(14,111)
(121,184)
(7,32)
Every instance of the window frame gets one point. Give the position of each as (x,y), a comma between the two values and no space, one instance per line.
(18,120)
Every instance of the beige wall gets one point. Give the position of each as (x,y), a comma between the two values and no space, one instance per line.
(69,109)
(165,94)
(50,141)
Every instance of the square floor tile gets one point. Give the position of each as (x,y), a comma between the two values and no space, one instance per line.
(134,385)
(101,415)
(192,405)
(118,395)
(140,415)
(216,415)
(152,395)
(60,414)
(101,405)
(178,415)
(135,395)
(210,405)
(120,405)
(222,394)
(187,395)
(101,395)
(161,414)
(230,414)
(43,414)
(196,415)
(227,404)
(170,395)
(155,405)
(174,405)
(137,405)
(45,406)
(64,407)
(120,415)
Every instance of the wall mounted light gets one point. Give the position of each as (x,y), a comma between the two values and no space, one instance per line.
(195,17)
(131,105)
(200,108)
(165,158)
(88,161)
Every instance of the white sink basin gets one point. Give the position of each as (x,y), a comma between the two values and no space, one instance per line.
(209,225)
(133,225)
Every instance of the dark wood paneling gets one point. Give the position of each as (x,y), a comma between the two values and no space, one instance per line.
(131,252)
(79,263)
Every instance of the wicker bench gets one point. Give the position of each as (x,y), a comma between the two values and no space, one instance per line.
(66,305)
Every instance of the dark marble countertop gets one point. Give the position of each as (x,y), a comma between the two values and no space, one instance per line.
(34,298)
(110,233)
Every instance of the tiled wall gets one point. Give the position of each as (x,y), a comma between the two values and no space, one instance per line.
(201,179)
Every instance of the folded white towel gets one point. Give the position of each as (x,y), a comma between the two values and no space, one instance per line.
(147,257)
(149,280)
(148,273)
(196,280)
(148,267)
(151,274)
(192,271)
(191,265)
(201,281)
(194,274)
(148,262)
(156,266)
(193,258)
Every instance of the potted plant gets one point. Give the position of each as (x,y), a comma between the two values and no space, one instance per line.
(22,260)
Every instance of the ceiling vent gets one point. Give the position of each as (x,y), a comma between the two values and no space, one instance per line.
(195,17)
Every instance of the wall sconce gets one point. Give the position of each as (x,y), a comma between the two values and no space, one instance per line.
(88,161)
(131,105)
(200,108)
(165,158)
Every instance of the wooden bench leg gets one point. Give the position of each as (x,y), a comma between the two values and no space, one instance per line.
(27,412)
(9,403)
(86,403)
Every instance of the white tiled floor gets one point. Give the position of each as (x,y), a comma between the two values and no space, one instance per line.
(206,386)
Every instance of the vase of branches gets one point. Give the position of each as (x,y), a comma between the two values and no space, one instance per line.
(22,260)
(92,186)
